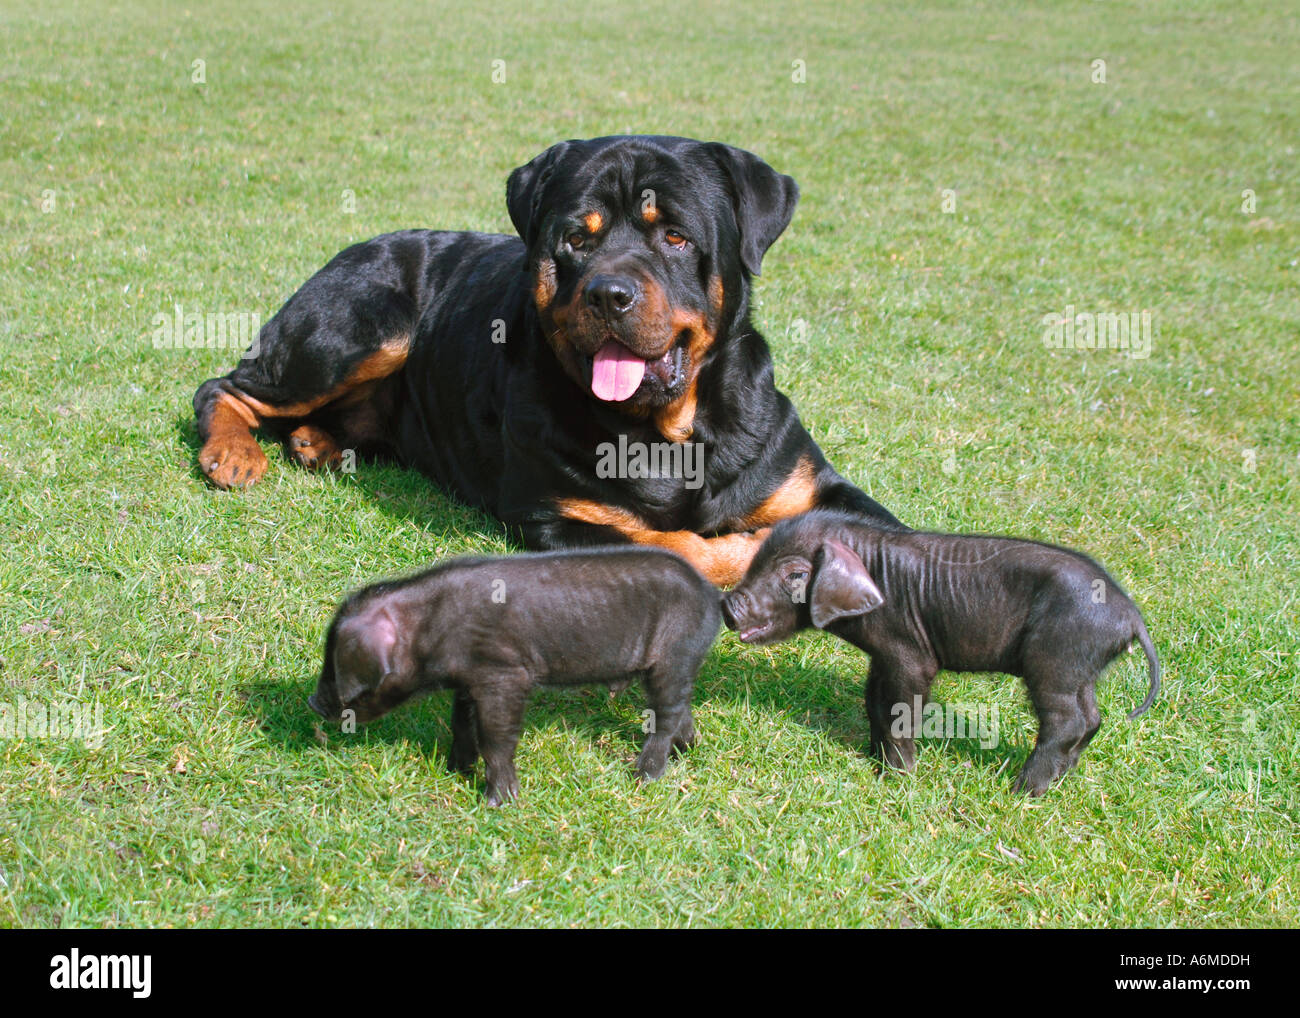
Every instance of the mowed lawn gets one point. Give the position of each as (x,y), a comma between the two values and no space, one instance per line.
(907,325)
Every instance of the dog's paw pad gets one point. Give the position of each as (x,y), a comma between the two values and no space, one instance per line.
(314,448)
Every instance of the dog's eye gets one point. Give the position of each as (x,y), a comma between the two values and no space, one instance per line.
(675,239)
(576,240)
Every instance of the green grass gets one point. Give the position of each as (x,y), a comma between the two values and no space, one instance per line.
(910,339)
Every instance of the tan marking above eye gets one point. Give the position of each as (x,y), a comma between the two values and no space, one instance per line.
(593,221)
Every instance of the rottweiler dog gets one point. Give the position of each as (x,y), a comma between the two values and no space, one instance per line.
(595,380)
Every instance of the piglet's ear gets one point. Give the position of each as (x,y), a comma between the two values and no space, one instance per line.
(363,652)
(841,585)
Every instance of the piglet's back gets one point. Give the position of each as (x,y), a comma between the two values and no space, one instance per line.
(569,616)
(964,584)
(1008,560)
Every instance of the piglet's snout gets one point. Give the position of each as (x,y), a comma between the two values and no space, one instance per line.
(728,613)
(325,706)
(734,609)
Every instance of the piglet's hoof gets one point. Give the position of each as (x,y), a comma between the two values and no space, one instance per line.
(502,792)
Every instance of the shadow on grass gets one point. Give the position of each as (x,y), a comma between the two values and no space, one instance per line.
(832,706)
(832,702)
(587,711)
(402,493)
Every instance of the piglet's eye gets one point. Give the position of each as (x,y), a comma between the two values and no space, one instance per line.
(576,240)
(675,239)
(795,583)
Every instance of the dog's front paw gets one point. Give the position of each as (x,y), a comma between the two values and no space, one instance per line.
(314,448)
(731,554)
(232,462)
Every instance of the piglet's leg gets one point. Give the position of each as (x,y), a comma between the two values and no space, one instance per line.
(668,695)
(499,703)
(464,734)
(1087,700)
(1064,727)
(897,687)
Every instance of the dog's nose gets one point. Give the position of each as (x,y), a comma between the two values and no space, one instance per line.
(611,295)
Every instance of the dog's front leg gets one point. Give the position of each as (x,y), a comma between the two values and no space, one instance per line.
(722,559)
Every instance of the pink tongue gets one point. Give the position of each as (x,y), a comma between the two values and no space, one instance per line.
(616,372)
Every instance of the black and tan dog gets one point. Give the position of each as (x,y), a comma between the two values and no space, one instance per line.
(502,368)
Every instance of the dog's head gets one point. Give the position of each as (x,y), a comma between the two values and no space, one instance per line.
(641,250)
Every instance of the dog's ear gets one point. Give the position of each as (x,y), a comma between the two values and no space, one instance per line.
(841,585)
(764,201)
(525,187)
